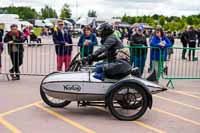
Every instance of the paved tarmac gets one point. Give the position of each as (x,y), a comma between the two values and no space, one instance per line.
(22,111)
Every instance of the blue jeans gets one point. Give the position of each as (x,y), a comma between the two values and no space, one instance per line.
(139,61)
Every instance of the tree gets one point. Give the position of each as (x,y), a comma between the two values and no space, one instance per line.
(65,12)
(23,12)
(155,16)
(162,20)
(92,13)
(132,20)
(169,23)
(48,12)
(150,21)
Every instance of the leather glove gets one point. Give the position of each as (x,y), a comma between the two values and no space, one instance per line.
(87,59)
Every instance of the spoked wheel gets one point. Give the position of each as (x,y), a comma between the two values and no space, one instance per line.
(125,105)
(127,102)
(53,102)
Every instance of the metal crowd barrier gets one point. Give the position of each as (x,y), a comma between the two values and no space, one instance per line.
(177,68)
(40,60)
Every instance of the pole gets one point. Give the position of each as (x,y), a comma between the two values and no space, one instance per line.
(76,9)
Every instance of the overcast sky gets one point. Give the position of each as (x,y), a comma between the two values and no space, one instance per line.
(110,8)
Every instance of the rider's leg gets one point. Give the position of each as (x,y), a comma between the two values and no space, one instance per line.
(99,73)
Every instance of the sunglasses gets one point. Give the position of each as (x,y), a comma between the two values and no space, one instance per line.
(60,24)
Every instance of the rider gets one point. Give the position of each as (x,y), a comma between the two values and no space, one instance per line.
(111,66)
(119,68)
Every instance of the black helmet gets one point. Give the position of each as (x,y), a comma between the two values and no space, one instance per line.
(105,30)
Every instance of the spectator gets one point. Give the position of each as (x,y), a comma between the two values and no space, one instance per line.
(126,33)
(138,54)
(55,27)
(184,41)
(174,34)
(1,48)
(15,38)
(130,32)
(44,32)
(87,42)
(192,43)
(150,38)
(121,30)
(159,53)
(62,39)
(26,33)
(117,32)
(153,33)
(34,38)
(170,50)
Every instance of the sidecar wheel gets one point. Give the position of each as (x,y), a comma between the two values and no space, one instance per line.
(53,102)
(127,102)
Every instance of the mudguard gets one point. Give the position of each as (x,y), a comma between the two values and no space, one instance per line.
(133,81)
(48,76)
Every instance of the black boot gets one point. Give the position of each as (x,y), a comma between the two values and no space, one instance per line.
(17,77)
(12,73)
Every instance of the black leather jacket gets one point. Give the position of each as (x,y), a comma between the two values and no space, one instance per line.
(108,49)
(19,40)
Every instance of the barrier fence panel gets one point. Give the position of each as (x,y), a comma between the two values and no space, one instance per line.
(179,68)
(36,60)
(146,59)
